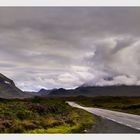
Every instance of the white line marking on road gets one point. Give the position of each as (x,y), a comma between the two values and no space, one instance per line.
(120,122)
(113,120)
(129,125)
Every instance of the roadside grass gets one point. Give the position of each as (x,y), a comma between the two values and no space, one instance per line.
(54,115)
(122,104)
(81,120)
(42,115)
(67,128)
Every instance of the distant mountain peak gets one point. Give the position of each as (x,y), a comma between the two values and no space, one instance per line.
(42,90)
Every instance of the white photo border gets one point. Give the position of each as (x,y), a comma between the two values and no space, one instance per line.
(44,3)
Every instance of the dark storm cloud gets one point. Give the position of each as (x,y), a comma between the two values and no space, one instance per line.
(66,47)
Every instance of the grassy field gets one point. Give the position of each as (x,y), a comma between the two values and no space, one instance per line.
(123,104)
(42,115)
(53,115)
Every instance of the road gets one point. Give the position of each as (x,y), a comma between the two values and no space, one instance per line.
(129,120)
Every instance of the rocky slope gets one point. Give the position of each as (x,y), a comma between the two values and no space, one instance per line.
(8,89)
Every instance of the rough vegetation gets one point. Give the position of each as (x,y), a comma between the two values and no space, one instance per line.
(54,115)
(42,115)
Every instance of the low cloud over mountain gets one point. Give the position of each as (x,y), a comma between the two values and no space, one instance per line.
(68,47)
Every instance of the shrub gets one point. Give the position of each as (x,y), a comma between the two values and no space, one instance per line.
(24,114)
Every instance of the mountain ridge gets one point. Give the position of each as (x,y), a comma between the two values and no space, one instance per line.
(8,89)
(114,90)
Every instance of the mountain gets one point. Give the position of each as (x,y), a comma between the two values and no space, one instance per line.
(59,92)
(116,90)
(8,89)
(44,92)
(53,92)
(41,92)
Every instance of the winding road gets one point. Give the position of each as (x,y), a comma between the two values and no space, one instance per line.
(129,120)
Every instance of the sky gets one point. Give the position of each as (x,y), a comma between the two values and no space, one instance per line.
(66,47)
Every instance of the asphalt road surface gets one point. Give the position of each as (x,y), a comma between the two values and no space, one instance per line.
(116,121)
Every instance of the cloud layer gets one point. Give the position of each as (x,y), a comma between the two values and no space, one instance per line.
(67,47)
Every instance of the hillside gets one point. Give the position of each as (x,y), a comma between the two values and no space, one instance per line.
(8,89)
(116,90)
